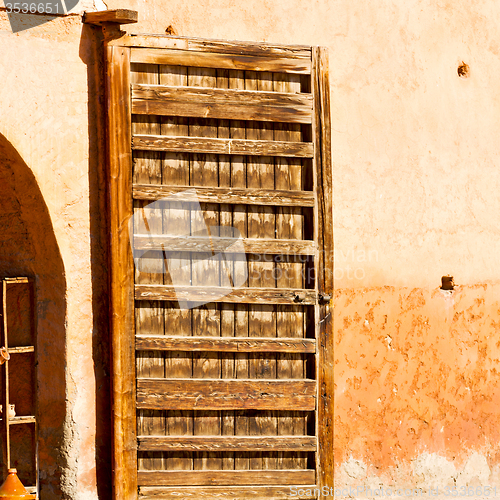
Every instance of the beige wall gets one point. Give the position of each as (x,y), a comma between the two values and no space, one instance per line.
(415,197)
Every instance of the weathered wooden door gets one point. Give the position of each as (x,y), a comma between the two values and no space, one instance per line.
(219,162)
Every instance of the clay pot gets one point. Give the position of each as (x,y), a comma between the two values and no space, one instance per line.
(13,489)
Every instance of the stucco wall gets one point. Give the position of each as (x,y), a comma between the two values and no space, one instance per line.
(415,197)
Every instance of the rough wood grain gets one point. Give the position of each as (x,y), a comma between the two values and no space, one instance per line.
(289,224)
(117,16)
(121,273)
(227,312)
(220,477)
(21,350)
(323,170)
(264,246)
(177,221)
(228,344)
(228,47)
(223,146)
(237,131)
(263,145)
(217,394)
(149,317)
(252,196)
(225,493)
(261,224)
(227,443)
(221,104)
(204,170)
(261,296)
(28,419)
(193,58)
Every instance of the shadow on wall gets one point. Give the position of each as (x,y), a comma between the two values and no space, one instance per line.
(28,247)
(91,54)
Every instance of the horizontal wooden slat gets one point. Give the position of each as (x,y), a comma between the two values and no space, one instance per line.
(215,394)
(225,477)
(221,103)
(16,281)
(265,62)
(22,420)
(118,16)
(228,492)
(224,195)
(208,294)
(229,47)
(222,146)
(21,350)
(264,246)
(226,443)
(224,344)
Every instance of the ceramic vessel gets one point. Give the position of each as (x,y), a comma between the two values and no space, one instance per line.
(13,489)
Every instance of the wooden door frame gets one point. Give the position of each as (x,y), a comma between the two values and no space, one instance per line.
(119,137)
(122,277)
(324,264)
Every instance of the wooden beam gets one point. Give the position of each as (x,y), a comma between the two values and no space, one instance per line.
(225,477)
(25,419)
(222,146)
(216,394)
(227,47)
(324,264)
(16,281)
(230,196)
(225,492)
(264,246)
(227,104)
(21,350)
(117,16)
(224,344)
(176,57)
(227,443)
(208,294)
(121,273)
(4,397)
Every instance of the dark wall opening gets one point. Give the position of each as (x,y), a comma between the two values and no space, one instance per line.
(28,247)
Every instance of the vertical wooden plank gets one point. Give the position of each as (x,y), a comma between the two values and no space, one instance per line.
(240,222)
(324,263)
(227,312)
(149,317)
(34,342)
(289,272)
(5,388)
(261,224)
(177,220)
(122,282)
(205,270)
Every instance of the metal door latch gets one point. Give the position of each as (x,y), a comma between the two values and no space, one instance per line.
(324,298)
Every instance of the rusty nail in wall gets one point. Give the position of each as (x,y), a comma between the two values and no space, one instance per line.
(447,283)
(463,70)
